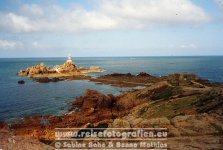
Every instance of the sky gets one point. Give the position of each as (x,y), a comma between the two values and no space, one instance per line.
(96,28)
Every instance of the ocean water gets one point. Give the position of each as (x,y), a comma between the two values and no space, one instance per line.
(34,98)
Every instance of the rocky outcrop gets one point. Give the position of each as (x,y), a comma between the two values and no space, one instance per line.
(46,79)
(11,141)
(127,80)
(95,100)
(68,69)
(38,69)
(183,125)
(188,111)
(203,131)
(158,91)
(98,104)
(93,109)
(183,79)
(145,79)
(193,116)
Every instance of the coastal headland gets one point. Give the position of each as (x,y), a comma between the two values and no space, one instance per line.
(188,106)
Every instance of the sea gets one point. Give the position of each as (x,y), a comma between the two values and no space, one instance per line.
(33,98)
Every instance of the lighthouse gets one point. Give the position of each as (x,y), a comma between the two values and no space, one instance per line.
(69,59)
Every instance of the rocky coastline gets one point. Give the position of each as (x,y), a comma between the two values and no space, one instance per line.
(190,107)
(67,70)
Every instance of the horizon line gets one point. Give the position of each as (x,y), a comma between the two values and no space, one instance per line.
(115,56)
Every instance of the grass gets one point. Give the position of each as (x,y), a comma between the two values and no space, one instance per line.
(168,108)
(210,101)
(166,93)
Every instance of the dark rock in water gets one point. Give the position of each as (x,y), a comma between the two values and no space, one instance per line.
(127,79)
(119,75)
(43,80)
(46,79)
(144,74)
(21,82)
(55,79)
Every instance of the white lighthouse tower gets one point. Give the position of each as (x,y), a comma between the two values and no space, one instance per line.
(69,59)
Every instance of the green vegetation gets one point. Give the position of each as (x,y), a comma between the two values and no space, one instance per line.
(210,101)
(169,108)
(166,93)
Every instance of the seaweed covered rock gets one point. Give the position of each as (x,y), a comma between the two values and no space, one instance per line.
(43,80)
(46,79)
